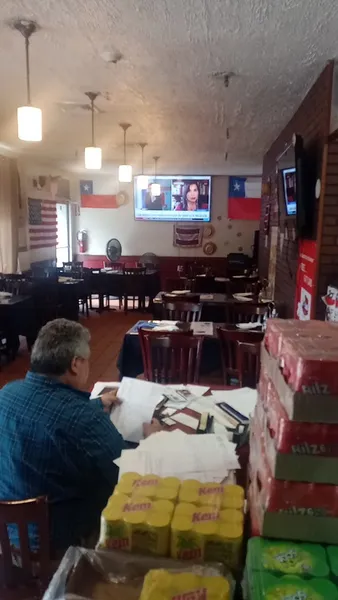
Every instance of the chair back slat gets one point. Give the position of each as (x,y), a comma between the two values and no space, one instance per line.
(171,357)
(229,339)
(180,310)
(249,312)
(248,361)
(22,514)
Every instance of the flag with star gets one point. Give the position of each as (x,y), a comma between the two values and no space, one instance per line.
(91,200)
(244,198)
(86,187)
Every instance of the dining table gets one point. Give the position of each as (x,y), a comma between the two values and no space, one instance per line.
(17,317)
(215,306)
(130,361)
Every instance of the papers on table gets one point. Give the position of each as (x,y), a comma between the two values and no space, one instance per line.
(175,454)
(202,328)
(206,297)
(186,420)
(138,402)
(241,402)
(247,326)
(242,298)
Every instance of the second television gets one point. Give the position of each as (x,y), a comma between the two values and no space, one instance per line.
(180,198)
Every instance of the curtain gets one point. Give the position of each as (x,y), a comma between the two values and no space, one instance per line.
(9,214)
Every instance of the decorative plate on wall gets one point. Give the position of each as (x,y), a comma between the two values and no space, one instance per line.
(209,248)
(208,231)
(121,198)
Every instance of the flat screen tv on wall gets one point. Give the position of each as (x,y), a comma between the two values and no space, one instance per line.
(183,198)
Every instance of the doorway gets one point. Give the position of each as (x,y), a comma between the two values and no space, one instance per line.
(63,233)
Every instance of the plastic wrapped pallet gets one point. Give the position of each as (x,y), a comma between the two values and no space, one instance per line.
(286,509)
(295,451)
(102,575)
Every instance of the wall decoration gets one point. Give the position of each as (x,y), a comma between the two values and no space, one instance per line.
(208,231)
(239,234)
(188,236)
(42,223)
(52,186)
(305,286)
(245,198)
(273,260)
(219,218)
(240,248)
(229,226)
(209,248)
(91,200)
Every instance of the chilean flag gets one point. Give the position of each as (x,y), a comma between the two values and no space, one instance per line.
(245,198)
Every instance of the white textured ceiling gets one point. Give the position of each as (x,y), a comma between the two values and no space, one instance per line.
(163,84)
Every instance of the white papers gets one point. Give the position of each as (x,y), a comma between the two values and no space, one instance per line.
(242,298)
(242,400)
(206,297)
(138,402)
(168,412)
(206,457)
(186,420)
(202,328)
(168,421)
(101,385)
(248,326)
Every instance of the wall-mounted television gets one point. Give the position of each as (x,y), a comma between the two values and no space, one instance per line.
(289,189)
(183,198)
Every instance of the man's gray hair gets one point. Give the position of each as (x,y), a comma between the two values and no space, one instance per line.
(58,342)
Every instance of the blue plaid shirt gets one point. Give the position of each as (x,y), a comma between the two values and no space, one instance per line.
(54,442)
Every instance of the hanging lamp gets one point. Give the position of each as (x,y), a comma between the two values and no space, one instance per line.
(155,187)
(29,117)
(93,154)
(142,180)
(125,171)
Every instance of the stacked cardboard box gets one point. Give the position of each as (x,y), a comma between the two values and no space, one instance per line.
(293,466)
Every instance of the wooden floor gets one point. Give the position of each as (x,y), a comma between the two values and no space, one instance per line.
(107,332)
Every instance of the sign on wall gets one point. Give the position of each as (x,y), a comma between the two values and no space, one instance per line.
(305,287)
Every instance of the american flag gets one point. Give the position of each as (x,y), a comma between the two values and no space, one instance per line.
(188,236)
(42,223)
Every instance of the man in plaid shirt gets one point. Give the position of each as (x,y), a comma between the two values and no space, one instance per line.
(55,442)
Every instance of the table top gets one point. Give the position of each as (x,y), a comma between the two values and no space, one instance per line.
(118,273)
(12,300)
(186,327)
(216,298)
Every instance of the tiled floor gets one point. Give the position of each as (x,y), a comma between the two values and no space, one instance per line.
(107,332)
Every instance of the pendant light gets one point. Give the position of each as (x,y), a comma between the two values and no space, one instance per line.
(155,187)
(93,154)
(142,180)
(29,117)
(125,171)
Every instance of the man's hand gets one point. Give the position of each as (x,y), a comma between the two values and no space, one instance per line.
(109,399)
(153,427)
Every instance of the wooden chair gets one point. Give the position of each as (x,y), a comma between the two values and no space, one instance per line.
(134,286)
(229,339)
(181,310)
(26,571)
(248,312)
(248,363)
(171,357)
(177,283)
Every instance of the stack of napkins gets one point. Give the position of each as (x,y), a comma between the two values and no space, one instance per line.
(175,454)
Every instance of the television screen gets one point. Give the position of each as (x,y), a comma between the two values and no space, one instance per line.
(184,198)
(289,187)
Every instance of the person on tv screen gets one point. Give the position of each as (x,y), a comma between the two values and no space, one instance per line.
(190,197)
(153,202)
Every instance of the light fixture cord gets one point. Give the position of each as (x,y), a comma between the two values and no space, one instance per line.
(142,148)
(93,138)
(28,71)
(124,146)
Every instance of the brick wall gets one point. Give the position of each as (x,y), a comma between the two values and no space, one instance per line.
(328,236)
(312,122)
